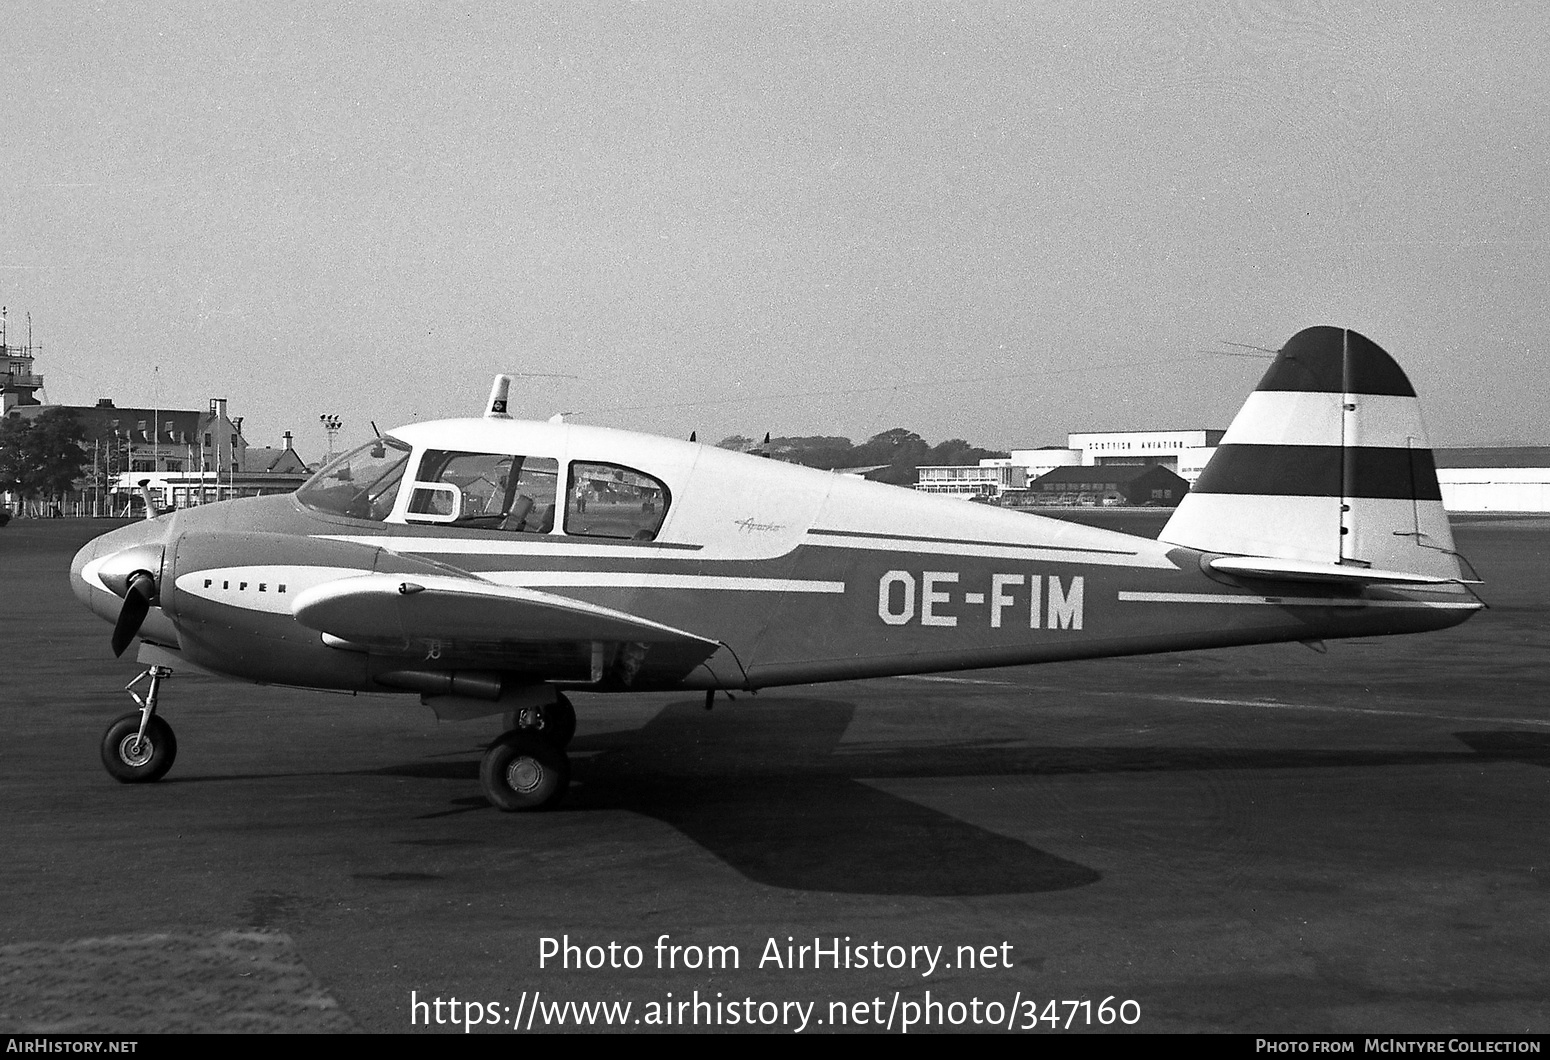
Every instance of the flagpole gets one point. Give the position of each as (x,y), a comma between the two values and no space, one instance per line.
(156,419)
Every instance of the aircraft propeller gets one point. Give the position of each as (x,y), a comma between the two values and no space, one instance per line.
(132,575)
(138,596)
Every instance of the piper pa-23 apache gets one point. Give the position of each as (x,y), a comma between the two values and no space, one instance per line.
(489,565)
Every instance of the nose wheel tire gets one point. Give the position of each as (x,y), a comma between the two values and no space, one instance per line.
(134,759)
(524,771)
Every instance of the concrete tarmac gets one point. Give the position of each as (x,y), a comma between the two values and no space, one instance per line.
(1256,840)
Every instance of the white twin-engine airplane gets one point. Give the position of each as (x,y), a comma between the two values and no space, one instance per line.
(489,565)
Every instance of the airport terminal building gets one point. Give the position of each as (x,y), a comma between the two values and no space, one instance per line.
(188,456)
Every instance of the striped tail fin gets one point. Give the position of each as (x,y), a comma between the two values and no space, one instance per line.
(1327,468)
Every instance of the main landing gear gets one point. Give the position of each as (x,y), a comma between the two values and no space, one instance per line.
(140,747)
(527,768)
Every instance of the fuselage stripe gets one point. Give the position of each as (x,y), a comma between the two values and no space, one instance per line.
(517,545)
(1127,596)
(918,539)
(978,550)
(643,580)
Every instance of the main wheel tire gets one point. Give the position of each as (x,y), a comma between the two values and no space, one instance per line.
(559,722)
(132,759)
(524,771)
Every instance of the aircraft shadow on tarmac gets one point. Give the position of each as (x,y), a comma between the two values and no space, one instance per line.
(759,785)
(768,787)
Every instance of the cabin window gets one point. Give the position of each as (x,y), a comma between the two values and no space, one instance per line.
(362,484)
(491,491)
(606,500)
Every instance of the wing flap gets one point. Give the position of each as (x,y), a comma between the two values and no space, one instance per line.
(388,607)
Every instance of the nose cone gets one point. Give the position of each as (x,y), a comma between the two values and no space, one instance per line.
(99,570)
(84,590)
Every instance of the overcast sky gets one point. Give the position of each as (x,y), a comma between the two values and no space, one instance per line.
(996,221)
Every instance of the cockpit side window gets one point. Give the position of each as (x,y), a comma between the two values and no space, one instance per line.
(361,484)
(607,500)
(492,491)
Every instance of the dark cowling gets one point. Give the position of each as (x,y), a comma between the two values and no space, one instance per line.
(138,596)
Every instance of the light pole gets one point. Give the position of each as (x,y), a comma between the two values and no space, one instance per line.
(331,426)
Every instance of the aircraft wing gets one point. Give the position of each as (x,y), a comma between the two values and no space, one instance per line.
(443,608)
(1300,570)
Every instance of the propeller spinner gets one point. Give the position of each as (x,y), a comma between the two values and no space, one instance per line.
(132,575)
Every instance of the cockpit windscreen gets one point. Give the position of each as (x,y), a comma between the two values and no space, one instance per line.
(361,484)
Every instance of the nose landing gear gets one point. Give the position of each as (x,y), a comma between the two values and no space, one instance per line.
(139,747)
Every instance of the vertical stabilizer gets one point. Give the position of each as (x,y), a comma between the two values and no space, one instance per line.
(1327,462)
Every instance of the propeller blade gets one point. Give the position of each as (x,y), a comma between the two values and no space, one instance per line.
(137,604)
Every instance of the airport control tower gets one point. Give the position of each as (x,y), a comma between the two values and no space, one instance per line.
(18,383)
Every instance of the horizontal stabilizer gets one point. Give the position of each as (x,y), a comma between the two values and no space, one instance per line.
(376,607)
(1295,570)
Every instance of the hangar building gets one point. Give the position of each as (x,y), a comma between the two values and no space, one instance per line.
(1135,485)
(1504,479)
(1183,452)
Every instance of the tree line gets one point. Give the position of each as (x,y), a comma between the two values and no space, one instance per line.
(898,452)
(41,458)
